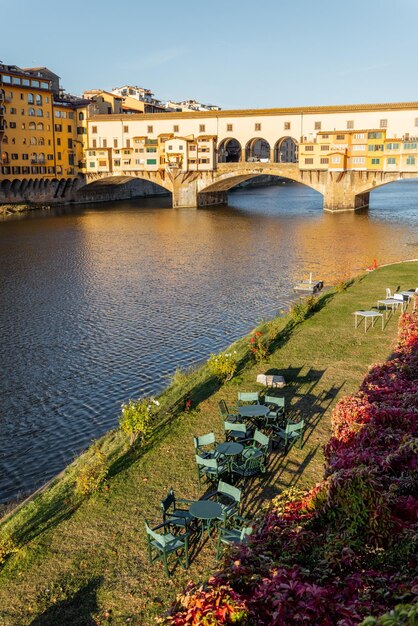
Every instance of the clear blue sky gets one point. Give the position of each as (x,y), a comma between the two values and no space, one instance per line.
(235,53)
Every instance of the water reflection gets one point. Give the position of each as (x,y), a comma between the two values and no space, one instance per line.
(102,303)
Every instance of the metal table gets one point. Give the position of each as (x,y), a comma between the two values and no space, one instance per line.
(230,449)
(205,511)
(367,314)
(253,410)
(390,303)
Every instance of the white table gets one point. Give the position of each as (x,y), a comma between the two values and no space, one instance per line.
(390,303)
(367,314)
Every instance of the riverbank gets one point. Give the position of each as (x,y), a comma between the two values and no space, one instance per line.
(78,559)
(11,209)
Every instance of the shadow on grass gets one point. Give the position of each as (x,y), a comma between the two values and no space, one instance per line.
(73,611)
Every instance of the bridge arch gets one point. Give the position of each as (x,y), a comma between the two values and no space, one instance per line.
(257,149)
(286,150)
(229,151)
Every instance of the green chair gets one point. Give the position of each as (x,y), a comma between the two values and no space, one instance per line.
(248,397)
(236,431)
(258,447)
(248,468)
(175,515)
(225,413)
(277,409)
(237,535)
(162,546)
(204,442)
(291,433)
(229,497)
(210,469)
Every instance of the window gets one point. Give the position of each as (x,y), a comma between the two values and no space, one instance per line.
(81,116)
(202,128)
(31,112)
(50,157)
(374,135)
(383,123)
(13,111)
(92,164)
(94,143)
(170,147)
(115,143)
(69,128)
(257,126)
(148,150)
(391,161)
(25,157)
(359,160)
(350,124)
(324,136)
(104,143)
(126,129)
(58,141)
(358,135)
(151,161)
(340,137)
(181,147)
(58,128)
(128,143)
(286,126)
(39,113)
(336,159)
(38,99)
(309,161)
(309,148)
(59,156)
(409,146)
(375,161)
(358,146)
(40,126)
(94,130)
(324,160)
(102,163)
(150,129)
(175,128)
(378,147)
(229,128)
(12,124)
(392,146)
(14,156)
(33,141)
(416,121)
(70,143)
(127,151)
(410,160)
(326,147)
(31,99)
(317,125)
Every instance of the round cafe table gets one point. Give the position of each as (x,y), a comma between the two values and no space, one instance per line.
(205,511)
(229,449)
(253,410)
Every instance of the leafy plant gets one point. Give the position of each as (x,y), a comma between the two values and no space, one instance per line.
(259,346)
(223,365)
(136,419)
(301,309)
(92,475)
(7,547)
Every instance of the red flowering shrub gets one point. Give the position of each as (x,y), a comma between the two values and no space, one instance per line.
(346,549)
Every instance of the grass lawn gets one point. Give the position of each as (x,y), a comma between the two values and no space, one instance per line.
(84,562)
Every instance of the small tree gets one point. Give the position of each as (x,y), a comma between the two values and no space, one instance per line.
(136,418)
(259,346)
(93,474)
(223,365)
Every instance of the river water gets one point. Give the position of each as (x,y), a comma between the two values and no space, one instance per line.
(101,303)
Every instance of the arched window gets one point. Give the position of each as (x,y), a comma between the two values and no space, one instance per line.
(5,139)
(81,116)
(39,113)
(31,99)
(32,126)
(34,157)
(33,141)
(31,111)
(38,99)
(41,141)
(41,157)
(5,157)
(40,126)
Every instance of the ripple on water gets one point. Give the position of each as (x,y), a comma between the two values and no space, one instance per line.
(103,304)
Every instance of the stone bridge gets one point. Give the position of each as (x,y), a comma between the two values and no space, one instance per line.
(342,191)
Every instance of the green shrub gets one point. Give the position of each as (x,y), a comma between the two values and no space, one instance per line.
(259,346)
(7,547)
(303,308)
(136,419)
(403,614)
(93,474)
(223,365)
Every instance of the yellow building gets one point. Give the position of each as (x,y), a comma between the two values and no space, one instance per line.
(40,136)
